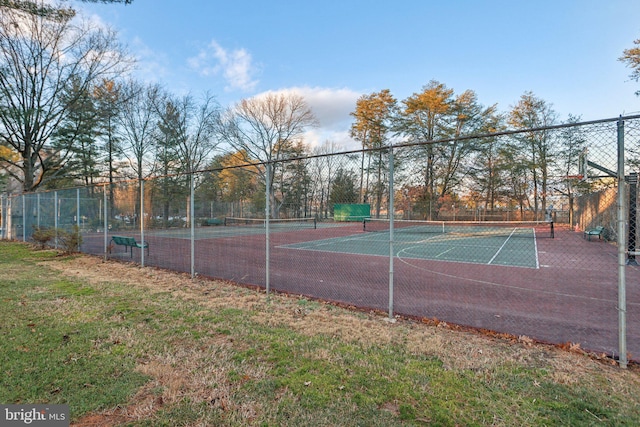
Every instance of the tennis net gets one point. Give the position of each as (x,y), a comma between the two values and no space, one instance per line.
(523,229)
(276,223)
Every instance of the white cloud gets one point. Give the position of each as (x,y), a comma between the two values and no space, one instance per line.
(332,108)
(151,66)
(235,66)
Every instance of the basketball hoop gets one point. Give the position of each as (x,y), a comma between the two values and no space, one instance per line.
(583,164)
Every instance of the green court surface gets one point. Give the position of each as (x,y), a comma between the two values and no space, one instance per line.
(516,249)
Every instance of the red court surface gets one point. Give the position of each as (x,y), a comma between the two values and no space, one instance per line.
(571,297)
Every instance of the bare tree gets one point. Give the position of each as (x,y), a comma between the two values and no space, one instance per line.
(40,59)
(186,138)
(267,128)
(194,124)
(532,112)
(137,125)
(323,169)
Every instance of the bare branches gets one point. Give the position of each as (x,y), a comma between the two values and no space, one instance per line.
(39,9)
(40,59)
(265,126)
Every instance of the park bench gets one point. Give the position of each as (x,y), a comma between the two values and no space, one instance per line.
(212,221)
(597,231)
(129,242)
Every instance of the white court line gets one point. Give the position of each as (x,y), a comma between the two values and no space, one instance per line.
(444,252)
(535,244)
(323,242)
(501,247)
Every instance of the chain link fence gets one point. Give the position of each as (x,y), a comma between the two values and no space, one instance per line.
(529,233)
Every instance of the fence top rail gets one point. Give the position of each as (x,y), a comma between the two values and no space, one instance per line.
(370,150)
(435,141)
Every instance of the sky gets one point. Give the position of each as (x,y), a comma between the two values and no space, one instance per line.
(334,51)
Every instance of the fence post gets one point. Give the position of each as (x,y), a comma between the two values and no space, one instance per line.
(105,220)
(192,226)
(622,222)
(141,222)
(3,217)
(4,208)
(9,222)
(391,211)
(77,230)
(266,221)
(56,215)
(24,219)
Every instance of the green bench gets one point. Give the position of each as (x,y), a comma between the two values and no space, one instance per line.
(129,242)
(212,221)
(597,231)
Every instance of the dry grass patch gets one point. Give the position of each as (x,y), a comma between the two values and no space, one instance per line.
(200,370)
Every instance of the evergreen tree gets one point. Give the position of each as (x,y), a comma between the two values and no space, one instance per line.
(343,189)
(75,138)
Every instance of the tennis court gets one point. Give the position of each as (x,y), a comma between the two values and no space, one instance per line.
(513,279)
(507,244)
(469,274)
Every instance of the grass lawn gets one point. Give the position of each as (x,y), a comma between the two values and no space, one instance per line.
(124,345)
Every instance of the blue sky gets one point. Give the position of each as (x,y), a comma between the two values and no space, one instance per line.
(333,51)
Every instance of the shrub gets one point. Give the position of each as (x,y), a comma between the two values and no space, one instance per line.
(42,236)
(70,241)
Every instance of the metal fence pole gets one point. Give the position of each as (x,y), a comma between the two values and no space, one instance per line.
(622,222)
(391,211)
(24,218)
(9,222)
(266,221)
(141,222)
(105,220)
(78,208)
(192,226)
(3,217)
(56,215)
(38,210)
(77,230)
